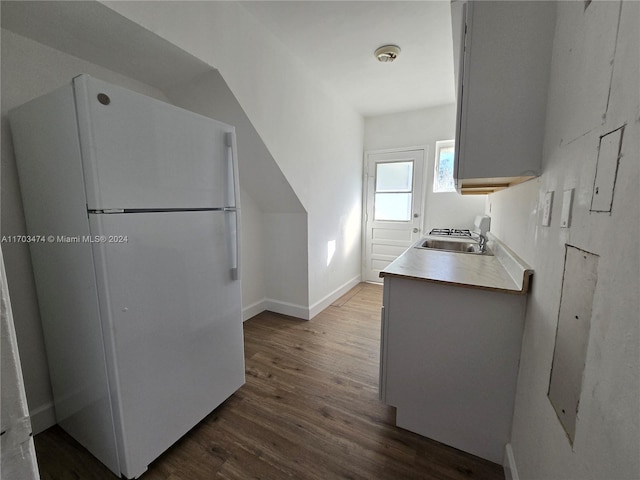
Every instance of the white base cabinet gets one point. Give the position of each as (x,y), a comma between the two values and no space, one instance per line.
(449,362)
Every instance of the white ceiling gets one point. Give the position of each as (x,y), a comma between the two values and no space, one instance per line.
(336,41)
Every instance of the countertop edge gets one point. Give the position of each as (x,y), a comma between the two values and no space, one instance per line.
(516,269)
(523,291)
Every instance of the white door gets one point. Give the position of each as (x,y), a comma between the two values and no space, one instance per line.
(393,219)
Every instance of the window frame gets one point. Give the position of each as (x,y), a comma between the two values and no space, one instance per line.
(409,191)
(437,188)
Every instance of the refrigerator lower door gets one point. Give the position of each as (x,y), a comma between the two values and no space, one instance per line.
(175,341)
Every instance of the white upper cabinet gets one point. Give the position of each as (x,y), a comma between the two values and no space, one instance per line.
(502,56)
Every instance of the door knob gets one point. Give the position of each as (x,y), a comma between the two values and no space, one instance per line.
(416,230)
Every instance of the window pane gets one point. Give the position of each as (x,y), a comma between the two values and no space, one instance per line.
(443,181)
(394,177)
(392,206)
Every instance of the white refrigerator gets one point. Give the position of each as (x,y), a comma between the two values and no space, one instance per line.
(133,219)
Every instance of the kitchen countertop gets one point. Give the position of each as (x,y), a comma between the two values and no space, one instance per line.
(503,271)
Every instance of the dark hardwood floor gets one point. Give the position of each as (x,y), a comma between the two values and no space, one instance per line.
(309,410)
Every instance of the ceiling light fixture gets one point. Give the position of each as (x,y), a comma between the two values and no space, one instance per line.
(387,53)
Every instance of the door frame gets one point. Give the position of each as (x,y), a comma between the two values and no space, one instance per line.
(365,191)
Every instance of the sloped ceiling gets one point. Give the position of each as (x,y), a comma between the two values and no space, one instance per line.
(94,32)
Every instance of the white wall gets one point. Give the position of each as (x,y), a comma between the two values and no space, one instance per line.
(252,271)
(285,256)
(594,88)
(313,136)
(30,69)
(424,128)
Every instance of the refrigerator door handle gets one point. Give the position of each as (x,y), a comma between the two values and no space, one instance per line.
(233,192)
(229,142)
(234,247)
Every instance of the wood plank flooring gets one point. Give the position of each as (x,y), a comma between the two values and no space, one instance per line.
(309,410)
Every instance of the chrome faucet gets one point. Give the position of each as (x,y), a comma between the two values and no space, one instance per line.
(482,242)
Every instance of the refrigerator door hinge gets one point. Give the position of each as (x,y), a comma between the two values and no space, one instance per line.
(228,139)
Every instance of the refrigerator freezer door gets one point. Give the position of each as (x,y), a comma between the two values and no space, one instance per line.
(141,153)
(176,343)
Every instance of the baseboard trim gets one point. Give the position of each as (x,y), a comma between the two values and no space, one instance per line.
(42,417)
(254,309)
(298,311)
(320,305)
(285,308)
(276,306)
(509,465)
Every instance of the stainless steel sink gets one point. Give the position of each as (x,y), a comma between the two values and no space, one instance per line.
(453,246)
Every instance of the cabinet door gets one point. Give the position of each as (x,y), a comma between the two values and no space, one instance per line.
(451,362)
(383,354)
(504,56)
(459,28)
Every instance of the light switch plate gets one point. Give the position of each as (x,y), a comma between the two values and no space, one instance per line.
(567,201)
(546,209)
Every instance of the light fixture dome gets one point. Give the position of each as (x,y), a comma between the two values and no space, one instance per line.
(387,53)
